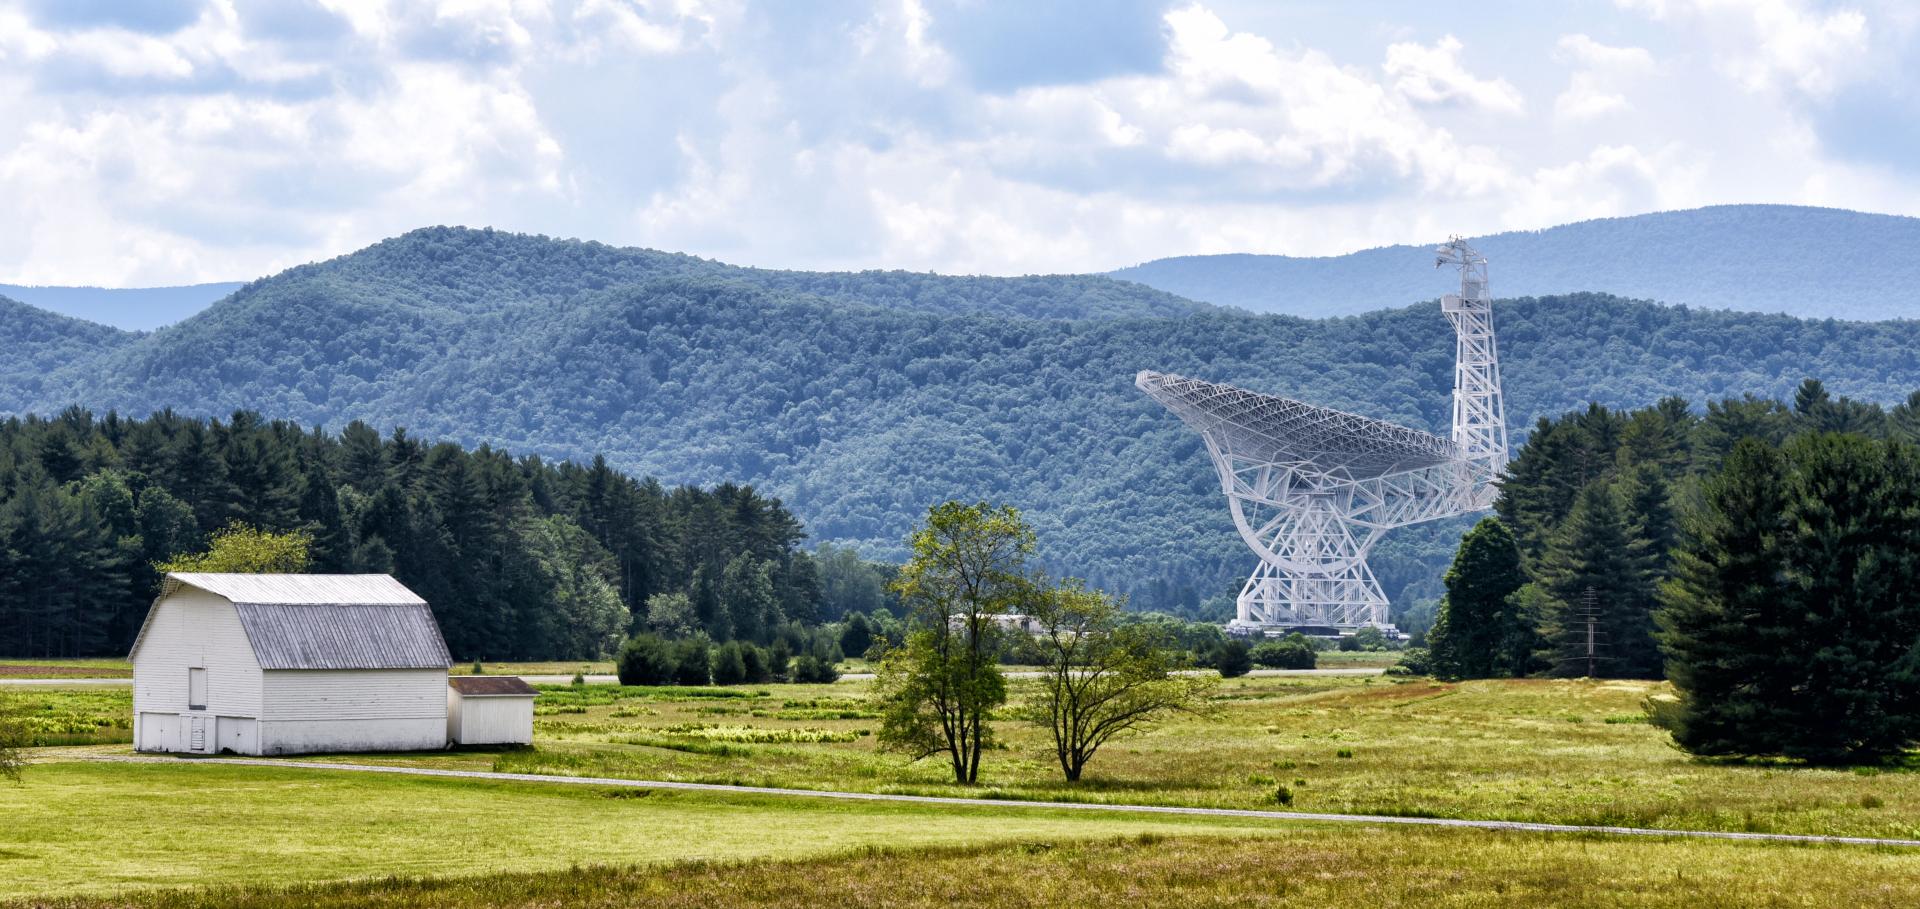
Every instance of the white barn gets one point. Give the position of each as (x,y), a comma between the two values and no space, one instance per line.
(489,710)
(286,664)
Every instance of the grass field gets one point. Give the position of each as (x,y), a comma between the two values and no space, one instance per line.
(100,827)
(90,835)
(562,667)
(1549,751)
(1355,659)
(1569,752)
(72,716)
(1309,868)
(76,668)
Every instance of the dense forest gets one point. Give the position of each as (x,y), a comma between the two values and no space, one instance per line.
(1845,264)
(861,399)
(520,558)
(1591,510)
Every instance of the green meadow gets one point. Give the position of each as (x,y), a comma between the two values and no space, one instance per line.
(1571,752)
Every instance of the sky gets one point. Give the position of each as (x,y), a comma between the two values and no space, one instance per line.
(154,142)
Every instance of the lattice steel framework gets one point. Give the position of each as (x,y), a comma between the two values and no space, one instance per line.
(1312,489)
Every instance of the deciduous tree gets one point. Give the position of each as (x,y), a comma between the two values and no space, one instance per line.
(243,549)
(1102,680)
(938,691)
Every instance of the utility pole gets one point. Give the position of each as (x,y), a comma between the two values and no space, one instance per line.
(1589,603)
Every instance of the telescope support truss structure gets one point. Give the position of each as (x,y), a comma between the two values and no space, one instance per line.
(1312,489)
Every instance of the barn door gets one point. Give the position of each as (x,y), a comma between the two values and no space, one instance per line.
(198,735)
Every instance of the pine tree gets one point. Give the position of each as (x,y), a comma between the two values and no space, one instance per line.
(1791,626)
(1722,618)
(1596,549)
(746,587)
(1467,638)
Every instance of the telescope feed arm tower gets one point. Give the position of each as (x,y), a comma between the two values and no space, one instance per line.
(1479,413)
(1312,489)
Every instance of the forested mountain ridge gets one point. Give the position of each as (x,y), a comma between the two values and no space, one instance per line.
(457,270)
(859,416)
(1810,262)
(35,343)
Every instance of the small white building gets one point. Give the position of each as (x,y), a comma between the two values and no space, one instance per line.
(286,664)
(489,710)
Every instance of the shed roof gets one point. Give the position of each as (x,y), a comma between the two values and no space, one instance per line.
(318,621)
(491,686)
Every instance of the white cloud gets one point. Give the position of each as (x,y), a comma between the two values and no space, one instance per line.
(801,136)
(1435,76)
(1597,87)
(1610,180)
(1591,54)
(1771,45)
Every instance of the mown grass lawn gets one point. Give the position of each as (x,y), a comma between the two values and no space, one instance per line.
(1194,869)
(75,828)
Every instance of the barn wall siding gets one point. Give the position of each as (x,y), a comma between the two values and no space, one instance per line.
(493,721)
(192,629)
(314,736)
(355,694)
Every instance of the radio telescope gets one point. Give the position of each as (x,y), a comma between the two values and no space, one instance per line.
(1312,489)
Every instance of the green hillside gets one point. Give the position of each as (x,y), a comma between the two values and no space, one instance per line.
(860,399)
(36,343)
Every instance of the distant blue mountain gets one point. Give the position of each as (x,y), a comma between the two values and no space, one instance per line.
(1806,262)
(134,308)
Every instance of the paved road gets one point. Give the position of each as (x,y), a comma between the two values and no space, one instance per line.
(1063,806)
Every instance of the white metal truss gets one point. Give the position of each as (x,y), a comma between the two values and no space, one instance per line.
(1479,413)
(1312,489)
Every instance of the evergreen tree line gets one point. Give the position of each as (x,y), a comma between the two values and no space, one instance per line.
(1589,521)
(520,558)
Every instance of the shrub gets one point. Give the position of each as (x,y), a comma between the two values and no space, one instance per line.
(1283,795)
(1294,652)
(646,660)
(753,664)
(857,636)
(1413,661)
(692,662)
(729,665)
(812,669)
(1370,639)
(779,659)
(1232,658)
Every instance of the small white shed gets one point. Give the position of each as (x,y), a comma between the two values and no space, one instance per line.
(489,710)
(286,664)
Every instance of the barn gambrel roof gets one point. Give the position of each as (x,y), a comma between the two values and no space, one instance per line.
(324,621)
